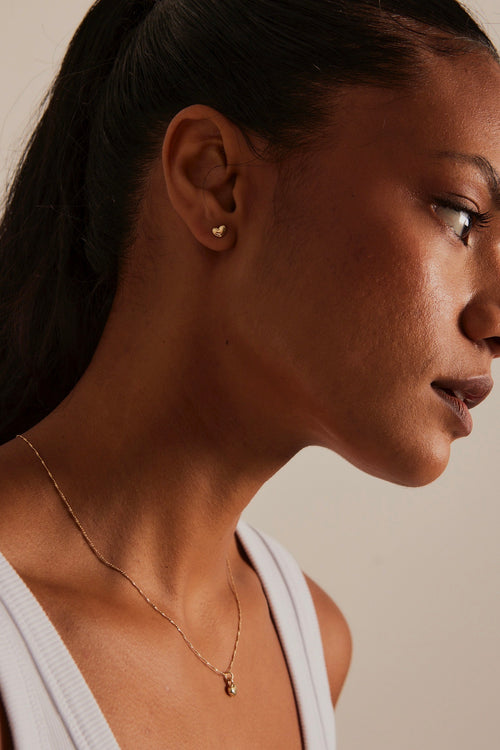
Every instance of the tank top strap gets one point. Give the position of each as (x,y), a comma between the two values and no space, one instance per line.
(296,622)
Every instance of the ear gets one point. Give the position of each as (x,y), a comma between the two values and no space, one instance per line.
(203,154)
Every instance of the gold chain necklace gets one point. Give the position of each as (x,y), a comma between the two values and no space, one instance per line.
(227,674)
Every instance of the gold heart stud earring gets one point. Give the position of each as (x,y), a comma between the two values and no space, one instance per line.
(219,232)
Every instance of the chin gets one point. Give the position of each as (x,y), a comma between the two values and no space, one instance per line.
(397,459)
(420,469)
(419,478)
(409,468)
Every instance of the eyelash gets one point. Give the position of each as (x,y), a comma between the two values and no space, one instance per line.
(477,218)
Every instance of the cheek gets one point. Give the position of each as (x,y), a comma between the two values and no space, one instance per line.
(391,267)
(361,293)
(342,296)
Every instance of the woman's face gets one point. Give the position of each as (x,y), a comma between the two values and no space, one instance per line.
(377,291)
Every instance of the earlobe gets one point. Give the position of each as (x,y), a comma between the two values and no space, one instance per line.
(198,153)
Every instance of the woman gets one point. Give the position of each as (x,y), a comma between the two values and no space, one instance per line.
(241,227)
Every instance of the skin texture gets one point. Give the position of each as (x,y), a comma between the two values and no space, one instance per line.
(387,299)
(340,292)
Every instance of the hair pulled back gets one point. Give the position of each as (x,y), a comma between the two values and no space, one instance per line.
(131,66)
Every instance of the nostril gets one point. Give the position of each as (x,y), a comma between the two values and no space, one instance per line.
(494,344)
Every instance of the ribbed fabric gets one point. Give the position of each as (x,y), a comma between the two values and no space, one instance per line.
(48,702)
(50,706)
(294,615)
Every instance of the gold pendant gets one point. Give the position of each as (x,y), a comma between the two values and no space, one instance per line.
(230,686)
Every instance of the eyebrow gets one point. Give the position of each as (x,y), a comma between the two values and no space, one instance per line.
(490,175)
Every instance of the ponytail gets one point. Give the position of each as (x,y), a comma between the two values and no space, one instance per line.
(54,297)
(267,65)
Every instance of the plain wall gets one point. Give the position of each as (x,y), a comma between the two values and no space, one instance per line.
(415,571)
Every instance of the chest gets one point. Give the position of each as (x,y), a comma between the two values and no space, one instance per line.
(156,694)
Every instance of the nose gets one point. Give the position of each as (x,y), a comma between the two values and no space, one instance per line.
(480,322)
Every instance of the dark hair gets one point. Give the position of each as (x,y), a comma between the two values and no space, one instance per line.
(70,213)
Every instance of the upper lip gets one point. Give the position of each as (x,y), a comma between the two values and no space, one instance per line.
(469,390)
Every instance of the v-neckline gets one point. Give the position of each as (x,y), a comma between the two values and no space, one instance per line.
(66,683)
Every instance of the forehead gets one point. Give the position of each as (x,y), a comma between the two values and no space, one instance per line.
(455,105)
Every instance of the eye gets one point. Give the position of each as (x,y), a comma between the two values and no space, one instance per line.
(459,219)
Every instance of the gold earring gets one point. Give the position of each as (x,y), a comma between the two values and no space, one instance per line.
(219,232)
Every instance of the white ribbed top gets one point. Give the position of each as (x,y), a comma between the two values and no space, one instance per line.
(50,706)
(294,615)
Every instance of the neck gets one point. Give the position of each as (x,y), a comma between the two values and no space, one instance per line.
(159,493)
(167,437)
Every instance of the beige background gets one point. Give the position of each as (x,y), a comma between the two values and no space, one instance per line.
(415,571)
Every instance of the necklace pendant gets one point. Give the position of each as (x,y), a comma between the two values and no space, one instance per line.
(230,686)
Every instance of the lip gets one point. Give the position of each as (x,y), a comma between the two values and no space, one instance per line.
(463,394)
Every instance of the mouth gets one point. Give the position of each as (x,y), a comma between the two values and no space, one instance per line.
(462,395)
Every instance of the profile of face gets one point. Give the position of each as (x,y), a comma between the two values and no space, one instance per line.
(372,293)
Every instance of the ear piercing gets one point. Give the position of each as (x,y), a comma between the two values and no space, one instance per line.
(219,232)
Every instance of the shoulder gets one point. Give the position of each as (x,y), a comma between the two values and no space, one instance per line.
(336,637)
(335,633)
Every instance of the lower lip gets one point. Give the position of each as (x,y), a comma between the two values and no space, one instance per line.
(459,408)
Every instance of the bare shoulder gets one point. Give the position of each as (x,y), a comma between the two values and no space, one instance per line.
(336,637)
